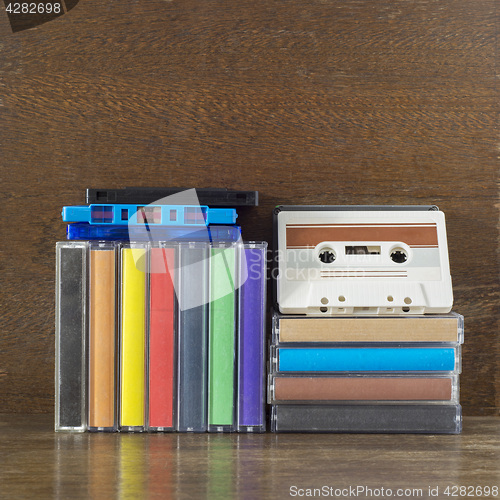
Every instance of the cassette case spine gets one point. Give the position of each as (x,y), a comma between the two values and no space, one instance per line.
(133,337)
(252,338)
(221,343)
(192,339)
(70,334)
(161,345)
(102,338)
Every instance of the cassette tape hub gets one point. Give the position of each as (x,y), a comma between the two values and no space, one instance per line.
(339,260)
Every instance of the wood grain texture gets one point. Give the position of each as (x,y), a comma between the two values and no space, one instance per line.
(38,463)
(309,102)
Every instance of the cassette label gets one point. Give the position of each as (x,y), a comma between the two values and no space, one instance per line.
(133,338)
(252,338)
(222,342)
(161,345)
(426,419)
(102,335)
(362,261)
(341,388)
(432,328)
(71,332)
(339,359)
(193,295)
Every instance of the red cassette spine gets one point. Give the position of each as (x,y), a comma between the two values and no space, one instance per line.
(161,338)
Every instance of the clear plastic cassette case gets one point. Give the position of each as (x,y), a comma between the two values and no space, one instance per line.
(71,336)
(366,358)
(252,338)
(293,329)
(103,352)
(132,336)
(389,419)
(362,388)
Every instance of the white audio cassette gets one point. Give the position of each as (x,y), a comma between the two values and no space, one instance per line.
(335,260)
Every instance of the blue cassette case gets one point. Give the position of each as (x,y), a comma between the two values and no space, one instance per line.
(366,359)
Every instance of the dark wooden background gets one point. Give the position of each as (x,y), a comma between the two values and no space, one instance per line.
(309,102)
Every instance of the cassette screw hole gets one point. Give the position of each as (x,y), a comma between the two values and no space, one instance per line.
(407,300)
(341,298)
(323,309)
(390,298)
(406,309)
(398,255)
(324,300)
(327,256)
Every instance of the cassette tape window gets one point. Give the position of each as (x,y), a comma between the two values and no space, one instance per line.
(361,260)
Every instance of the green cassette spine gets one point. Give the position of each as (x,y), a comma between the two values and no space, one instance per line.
(221,368)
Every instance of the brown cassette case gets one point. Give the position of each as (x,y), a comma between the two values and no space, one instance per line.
(373,388)
(445,328)
(102,337)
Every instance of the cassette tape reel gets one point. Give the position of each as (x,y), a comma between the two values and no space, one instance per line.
(361,260)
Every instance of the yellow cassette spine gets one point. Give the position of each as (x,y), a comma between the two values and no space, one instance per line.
(133,336)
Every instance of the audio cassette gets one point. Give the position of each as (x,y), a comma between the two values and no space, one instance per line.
(386,419)
(363,388)
(214,197)
(334,260)
(146,215)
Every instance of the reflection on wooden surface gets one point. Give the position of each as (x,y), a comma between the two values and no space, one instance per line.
(221,466)
(102,454)
(37,462)
(161,459)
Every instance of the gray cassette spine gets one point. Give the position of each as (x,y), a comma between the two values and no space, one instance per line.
(192,338)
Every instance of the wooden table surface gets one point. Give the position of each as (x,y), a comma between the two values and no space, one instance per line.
(38,463)
(307,101)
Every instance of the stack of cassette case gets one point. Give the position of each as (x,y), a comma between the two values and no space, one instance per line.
(161,327)
(363,339)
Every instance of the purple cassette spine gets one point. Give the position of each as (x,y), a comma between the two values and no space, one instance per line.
(251,410)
